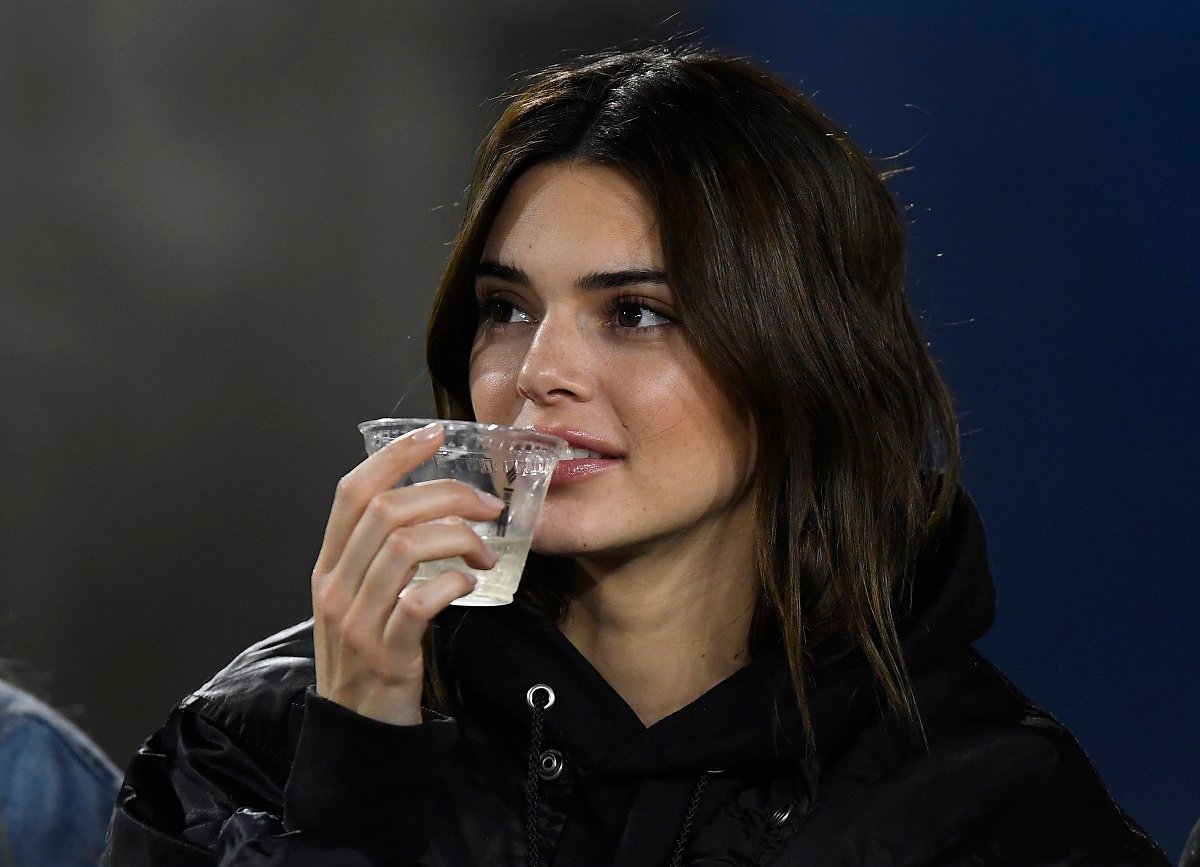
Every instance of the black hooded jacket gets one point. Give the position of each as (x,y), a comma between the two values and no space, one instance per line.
(255,769)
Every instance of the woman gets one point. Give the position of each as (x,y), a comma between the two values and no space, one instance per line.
(744,636)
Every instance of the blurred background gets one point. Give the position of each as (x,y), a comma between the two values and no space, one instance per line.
(221,224)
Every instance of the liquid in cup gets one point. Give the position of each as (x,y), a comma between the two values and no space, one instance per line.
(512,464)
(495,586)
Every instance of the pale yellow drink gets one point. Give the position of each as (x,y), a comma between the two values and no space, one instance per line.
(513,464)
(496,585)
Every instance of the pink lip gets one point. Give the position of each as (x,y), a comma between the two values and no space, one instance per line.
(579,469)
(569,472)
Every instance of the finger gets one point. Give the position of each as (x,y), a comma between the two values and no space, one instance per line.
(400,507)
(398,559)
(411,615)
(377,473)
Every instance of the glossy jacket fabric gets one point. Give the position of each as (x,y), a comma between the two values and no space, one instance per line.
(56,787)
(255,769)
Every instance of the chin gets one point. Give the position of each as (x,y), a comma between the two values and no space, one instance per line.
(559,545)
(562,532)
(563,536)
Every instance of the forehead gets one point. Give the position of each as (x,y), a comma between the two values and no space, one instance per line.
(565,211)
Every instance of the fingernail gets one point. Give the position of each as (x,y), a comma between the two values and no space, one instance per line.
(428,433)
(495,555)
(489,499)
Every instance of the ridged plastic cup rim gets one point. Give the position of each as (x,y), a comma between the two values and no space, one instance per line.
(520,433)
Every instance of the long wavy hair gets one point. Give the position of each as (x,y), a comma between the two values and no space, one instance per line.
(786,254)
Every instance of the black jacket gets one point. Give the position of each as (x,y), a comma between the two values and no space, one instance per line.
(255,769)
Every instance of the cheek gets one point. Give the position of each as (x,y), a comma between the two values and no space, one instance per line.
(492,382)
(653,400)
(669,401)
(683,414)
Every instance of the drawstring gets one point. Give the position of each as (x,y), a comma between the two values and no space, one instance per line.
(688,818)
(539,698)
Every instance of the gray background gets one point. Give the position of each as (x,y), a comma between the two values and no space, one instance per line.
(221,224)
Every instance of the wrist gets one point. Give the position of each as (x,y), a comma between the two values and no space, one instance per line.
(397,706)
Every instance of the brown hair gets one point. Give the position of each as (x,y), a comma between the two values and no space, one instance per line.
(786,254)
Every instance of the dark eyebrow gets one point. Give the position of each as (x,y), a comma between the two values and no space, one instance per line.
(617,279)
(595,280)
(508,273)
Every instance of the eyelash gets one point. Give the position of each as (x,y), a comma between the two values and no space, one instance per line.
(635,302)
(486,305)
(612,307)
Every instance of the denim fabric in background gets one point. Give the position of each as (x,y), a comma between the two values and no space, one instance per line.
(1055,248)
(56,789)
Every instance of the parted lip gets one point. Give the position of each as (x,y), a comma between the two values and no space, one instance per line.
(581,440)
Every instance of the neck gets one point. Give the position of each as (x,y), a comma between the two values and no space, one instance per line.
(663,628)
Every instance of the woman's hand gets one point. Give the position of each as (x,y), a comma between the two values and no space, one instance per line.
(368,641)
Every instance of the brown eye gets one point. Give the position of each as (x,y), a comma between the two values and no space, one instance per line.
(630,315)
(498,311)
(637,317)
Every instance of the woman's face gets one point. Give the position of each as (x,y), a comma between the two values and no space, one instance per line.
(578,337)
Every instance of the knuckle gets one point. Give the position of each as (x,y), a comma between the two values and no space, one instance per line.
(346,490)
(399,545)
(357,635)
(378,509)
(417,608)
(327,600)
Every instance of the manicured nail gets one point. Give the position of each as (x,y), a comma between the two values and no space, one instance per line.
(489,499)
(428,433)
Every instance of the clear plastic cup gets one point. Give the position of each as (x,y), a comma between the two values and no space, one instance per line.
(514,465)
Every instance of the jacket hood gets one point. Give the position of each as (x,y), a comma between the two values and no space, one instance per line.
(951,605)
(750,720)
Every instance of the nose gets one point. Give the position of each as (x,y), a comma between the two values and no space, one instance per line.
(555,368)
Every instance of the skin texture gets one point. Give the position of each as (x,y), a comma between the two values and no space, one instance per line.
(659,540)
(655,538)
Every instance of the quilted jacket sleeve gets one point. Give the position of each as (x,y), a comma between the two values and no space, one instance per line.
(354,793)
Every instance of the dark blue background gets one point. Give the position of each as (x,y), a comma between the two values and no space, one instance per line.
(1053,201)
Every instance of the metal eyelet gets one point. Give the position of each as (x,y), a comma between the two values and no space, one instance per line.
(550,765)
(780,816)
(535,688)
